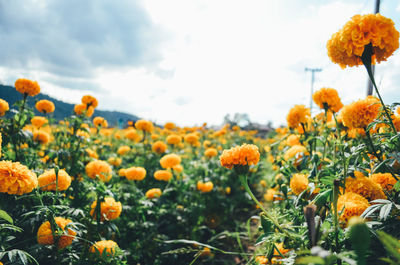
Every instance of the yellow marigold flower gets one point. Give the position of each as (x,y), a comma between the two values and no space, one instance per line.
(26,86)
(45,234)
(269,195)
(41,137)
(79,109)
(205,186)
(174,139)
(45,106)
(296,152)
(143,125)
(122,150)
(131,134)
(16,178)
(89,111)
(246,154)
(82,134)
(293,140)
(365,187)
(47,181)
(351,204)
(38,121)
(360,113)
(164,175)
(169,126)
(115,161)
(328,97)
(170,160)
(159,147)
(298,183)
(108,246)
(100,121)
(153,193)
(207,144)
(347,46)
(90,101)
(191,138)
(122,172)
(135,173)
(210,152)
(178,168)
(385,180)
(4,107)
(298,115)
(228,190)
(99,168)
(91,153)
(109,208)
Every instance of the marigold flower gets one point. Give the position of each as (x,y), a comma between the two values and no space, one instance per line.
(163,175)
(347,45)
(131,134)
(169,125)
(89,111)
(108,246)
(45,106)
(26,86)
(298,115)
(122,150)
(328,97)
(365,187)
(143,125)
(210,152)
(135,173)
(41,136)
(79,109)
(4,107)
(153,193)
(178,168)
(351,204)
(99,168)
(122,172)
(115,161)
(205,186)
(16,178)
(297,152)
(385,180)
(90,101)
(360,113)
(293,140)
(100,121)
(109,208)
(298,183)
(246,154)
(174,139)
(47,181)
(159,147)
(45,234)
(38,121)
(191,138)
(170,160)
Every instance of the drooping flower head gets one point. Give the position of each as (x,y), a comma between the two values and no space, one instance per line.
(45,106)
(16,178)
(246,154)
(109,209)
(28,87)
(99,168)
(45,234)
(47,181)
(298,115)
(360,113)
(328,97)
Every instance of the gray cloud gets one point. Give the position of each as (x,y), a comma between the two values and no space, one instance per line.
(71,38)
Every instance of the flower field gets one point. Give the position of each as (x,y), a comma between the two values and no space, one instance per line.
(322,190)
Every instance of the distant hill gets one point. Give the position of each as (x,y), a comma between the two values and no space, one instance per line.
(63,109)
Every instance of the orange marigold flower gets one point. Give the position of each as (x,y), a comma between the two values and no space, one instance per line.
(178,168)
(365,187)
(131,134)
(153,193)
(191,138)
(109,208)
(100,121)
(41,137)
(246,154)
(385,180)
(135,173)
(79,109)
(347,46)
(174,139)
(16,178)
(298,115)
(163,175)
(205,186)
(298,183)
(108,246)
(169,125)
(122,150)
(351,204)
(115,161)
(47,181)
(90,101)
(45,234)
(38,121)
(45,106)
(143,125)
(89,111)
(360,113)
(210,152)
(122,172)
(99,168)
(4,107)
(328,97)
(170,160)
(297,152)
(159,147)
(26,86)
(292,140)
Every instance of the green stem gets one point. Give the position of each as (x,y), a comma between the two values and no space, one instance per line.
(341,150)
(336,183)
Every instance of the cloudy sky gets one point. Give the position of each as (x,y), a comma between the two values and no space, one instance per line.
(187,61)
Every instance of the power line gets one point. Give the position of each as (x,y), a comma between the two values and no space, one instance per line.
(313,71)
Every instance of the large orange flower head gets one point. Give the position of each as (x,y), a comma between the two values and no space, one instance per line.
(45,106)
(211,152)
(328,97)
(365,187)
(159,147)
(246,154)
(28,87)
(16,178)
(169,125)
(153,193)
(4,107)
(108,246)
(351,204)
(298,183)
(347,46)
(41,136)
(109,208)
(45,234)
(385,180)
(163,175)
(298,115)
(174,139)
(143,125)
(360,113)
(90,101)
(170,160)
(47,181)
(99,168)
(135,173)
(39,121)
(100,121)
(191,138)
(131,134)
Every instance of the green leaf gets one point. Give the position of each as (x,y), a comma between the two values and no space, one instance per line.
(5,216)
(310,260)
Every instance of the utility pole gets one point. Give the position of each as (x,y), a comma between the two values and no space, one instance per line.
(313,71)
(369,85)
